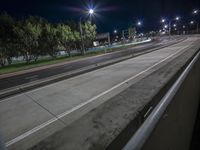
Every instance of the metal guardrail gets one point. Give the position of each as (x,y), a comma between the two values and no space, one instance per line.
(138,140)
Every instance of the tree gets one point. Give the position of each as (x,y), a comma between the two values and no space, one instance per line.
(7,50)
(50,40)
(27,38)
(89,33)
(77,40)
(33,37)
(66,37)
(131,33)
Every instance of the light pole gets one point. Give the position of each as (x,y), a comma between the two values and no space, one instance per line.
(196,12)
(170,23)
(192,23)
(90,12)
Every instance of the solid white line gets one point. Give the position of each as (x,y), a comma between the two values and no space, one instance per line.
(37,128)
(31,77)
(22,136)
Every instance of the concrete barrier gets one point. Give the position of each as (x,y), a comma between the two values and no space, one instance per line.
(173,128)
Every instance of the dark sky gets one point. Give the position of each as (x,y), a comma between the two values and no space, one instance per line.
(110,14)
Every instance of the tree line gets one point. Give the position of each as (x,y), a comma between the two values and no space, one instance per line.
(33,36)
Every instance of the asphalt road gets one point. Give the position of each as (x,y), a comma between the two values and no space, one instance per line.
(18,80)
(27,118)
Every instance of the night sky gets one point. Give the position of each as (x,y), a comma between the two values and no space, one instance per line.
(110,14)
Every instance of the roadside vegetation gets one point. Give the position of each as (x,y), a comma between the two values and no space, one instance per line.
(33,37)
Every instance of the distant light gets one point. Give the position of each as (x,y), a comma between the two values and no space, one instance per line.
(163,20)
(195,11)
(183,27)
(191,22)
(177,18)
(115,31)
(166,26)
(174,25)
(175,29)
(139,23)
(91,11)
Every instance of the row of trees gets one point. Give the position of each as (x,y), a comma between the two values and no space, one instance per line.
(33,37)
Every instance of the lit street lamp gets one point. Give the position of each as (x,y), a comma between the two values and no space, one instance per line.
(139,23)
(166,26)
(90,12)
(115,31)
(170,23)
(196,12)
(177,18)
(191,22)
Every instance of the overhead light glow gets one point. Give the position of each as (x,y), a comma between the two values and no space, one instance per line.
(91,11)
(139,23)
(163,20)
(195,11)
(177,18)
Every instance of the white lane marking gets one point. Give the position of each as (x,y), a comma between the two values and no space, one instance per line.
(22,136)
(37,128)
(31,77)
(67,67)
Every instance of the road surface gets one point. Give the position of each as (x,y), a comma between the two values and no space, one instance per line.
(17,81)
(30,117)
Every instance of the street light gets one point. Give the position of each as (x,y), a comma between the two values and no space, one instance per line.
(163,20)
(139,23)
(192,22)
(177,18)
(170,23)
(90,12)
(195,12)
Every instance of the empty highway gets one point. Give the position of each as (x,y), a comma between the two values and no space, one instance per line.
(29,117)
(18,81)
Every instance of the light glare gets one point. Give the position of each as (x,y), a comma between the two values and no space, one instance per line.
(139,23)
(91,11)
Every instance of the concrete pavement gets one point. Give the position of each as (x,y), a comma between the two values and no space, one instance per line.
(28,118)
(19,82)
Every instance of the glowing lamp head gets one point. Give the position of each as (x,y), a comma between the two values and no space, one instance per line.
(91,11)
(177,18)
(195,11)
(139,23)
(166,26)
(163,20)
